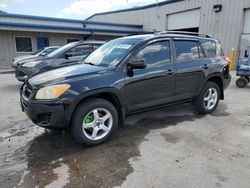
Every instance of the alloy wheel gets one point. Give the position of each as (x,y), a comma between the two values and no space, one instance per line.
(210,98)
(97,124)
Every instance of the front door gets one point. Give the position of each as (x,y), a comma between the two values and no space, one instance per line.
(154,85)
(42,42)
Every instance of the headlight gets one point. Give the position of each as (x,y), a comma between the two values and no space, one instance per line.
(52,92)
(31,64)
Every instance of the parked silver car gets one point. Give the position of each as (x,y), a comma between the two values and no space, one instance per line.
(42,52)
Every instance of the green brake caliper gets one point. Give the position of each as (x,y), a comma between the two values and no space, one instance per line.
(88,119)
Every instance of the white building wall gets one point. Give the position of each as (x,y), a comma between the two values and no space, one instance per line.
(8,48)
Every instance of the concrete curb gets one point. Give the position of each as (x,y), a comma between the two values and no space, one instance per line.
(7,71)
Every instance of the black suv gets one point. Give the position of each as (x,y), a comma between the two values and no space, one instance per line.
(125,76)
(68,54)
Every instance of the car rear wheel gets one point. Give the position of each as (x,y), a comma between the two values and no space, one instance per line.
(94,122)
(208,99)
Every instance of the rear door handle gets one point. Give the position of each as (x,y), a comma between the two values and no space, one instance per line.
(205,66)
(170,72)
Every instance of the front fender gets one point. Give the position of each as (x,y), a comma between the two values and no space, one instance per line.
(108,90)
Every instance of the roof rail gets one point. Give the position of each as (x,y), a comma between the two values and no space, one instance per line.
(183,33)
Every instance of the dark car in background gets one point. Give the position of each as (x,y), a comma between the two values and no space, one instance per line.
(68,54)
(39,53)
(126,76)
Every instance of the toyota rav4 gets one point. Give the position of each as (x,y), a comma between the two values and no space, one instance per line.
(125,76)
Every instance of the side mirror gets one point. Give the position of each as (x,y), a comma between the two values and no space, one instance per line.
(137,64)
(67,56)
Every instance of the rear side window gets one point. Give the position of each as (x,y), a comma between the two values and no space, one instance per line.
(156,54)
(209,47)
(187,50)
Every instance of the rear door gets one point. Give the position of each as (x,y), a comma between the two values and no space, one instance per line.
(154,85)
(191,67)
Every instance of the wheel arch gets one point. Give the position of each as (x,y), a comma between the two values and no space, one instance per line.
(112,95)
(216,78)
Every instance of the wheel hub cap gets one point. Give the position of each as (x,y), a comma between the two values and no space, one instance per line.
(97,123)
(210,98)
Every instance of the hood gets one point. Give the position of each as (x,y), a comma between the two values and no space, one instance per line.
(23,57)
(65,73)
(35,58)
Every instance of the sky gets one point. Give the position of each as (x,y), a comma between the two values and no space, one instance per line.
(75,9)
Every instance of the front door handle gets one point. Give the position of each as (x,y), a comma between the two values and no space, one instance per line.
(170,72)
(205,66)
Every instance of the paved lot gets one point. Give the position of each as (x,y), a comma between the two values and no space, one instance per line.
(174,147)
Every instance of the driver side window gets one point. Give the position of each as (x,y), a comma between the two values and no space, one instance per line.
(155,54)
(79,50)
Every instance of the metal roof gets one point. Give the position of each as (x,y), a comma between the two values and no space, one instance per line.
(7,15)
(90,29)
(136,8)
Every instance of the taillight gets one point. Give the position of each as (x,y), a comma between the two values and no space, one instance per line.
(227,59)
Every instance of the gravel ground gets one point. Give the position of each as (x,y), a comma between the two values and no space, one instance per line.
(172,147)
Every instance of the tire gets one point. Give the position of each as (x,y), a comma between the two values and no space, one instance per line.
(241,82)
(248,79)
(90,117)
(201,104)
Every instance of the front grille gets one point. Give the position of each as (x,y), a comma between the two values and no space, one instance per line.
(26,91)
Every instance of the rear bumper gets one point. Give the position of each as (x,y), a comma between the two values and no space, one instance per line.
(45,114)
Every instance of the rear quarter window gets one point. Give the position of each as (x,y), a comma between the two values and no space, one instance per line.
(209,47)
(219,50)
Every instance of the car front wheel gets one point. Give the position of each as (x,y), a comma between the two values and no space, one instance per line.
(208,99)
(94,122)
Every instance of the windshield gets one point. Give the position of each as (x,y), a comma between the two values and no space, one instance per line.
(62,49)
(37,52)
(110,54)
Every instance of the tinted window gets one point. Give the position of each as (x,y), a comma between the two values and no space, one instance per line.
(79,50)
(37,52)
(219,50)
(95,46)
(62,49)
(48,51)
(155,54)
(186,50)
(209,47)
(23,44)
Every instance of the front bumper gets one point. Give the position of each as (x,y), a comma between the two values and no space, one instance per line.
(45,114)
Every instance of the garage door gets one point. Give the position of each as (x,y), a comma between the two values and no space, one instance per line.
(183,20)
(245,39)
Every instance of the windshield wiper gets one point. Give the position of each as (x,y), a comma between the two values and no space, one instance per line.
(89,63)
